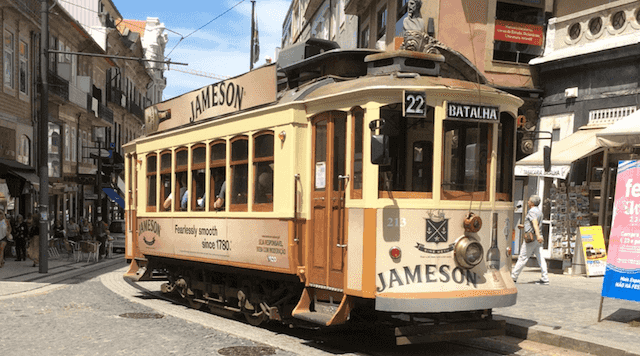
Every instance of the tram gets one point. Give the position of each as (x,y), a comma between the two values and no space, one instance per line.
(332,187)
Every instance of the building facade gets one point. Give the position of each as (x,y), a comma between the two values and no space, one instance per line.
(94,100)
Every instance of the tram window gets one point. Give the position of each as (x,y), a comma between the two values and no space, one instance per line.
(465,160)
(152,162)
(263,171)
(165,177)
(198,165)
(181,195)
(505,154)
(239,165)
(358,122)
(410,174)
(217,166)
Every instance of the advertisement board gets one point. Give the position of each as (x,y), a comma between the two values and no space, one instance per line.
(508,31)
(593,250)
(622,276)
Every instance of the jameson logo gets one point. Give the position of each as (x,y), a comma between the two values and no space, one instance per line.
(475,112)
(149,225)
(424,249)
(425,274)
(218,94)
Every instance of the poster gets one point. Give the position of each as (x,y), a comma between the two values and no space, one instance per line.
(593,249)
(622,276)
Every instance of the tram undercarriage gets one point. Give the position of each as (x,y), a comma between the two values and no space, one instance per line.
(263,297)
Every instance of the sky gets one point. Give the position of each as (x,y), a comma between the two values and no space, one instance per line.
(220,48)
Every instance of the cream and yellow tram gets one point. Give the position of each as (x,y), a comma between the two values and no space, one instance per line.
(357,184)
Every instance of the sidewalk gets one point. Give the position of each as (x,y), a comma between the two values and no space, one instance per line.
(565,313)
(20,277)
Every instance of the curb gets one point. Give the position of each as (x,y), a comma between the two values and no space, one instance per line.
(549,336)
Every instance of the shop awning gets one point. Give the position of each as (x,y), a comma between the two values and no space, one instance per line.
(623,133)
(29,177)
(578,145)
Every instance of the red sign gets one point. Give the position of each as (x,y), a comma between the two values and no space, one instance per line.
(518,32)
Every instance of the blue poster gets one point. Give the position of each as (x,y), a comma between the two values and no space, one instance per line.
(622,276)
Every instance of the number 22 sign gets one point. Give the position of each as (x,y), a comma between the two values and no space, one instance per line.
(414,104)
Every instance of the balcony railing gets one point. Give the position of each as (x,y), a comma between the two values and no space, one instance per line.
(115,96)
(58,85)
(105,113)
(136,110)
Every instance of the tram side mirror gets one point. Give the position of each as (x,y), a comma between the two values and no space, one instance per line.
(380,150)
(547,158)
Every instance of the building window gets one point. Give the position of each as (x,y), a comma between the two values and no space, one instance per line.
(67,143)
(401,7)
(152,166)
(382,22)
(526,19)
(54,150)
(74,145)
(24,68)
(24,150)
(364,38)
(239,166)
(198,166)
(217,166)
(8,59)
(263,171)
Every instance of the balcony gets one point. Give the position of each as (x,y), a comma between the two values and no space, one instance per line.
(114,95)
(604,27)
(136,110)
(105,113)
(58,85)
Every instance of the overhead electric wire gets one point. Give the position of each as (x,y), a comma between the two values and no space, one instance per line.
(201,27)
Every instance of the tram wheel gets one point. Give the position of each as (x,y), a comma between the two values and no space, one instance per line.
(255,319)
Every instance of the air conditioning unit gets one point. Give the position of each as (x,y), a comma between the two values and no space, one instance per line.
(571,92)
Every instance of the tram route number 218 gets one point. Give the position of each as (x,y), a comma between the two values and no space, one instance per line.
(414,104)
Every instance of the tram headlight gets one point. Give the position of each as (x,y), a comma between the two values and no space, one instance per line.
(468,252)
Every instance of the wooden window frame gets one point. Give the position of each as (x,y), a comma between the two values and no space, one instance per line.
(217,163)
(356,193)
(462,195)
(196,167)
(232,165)
(161,172)
(180,169)
(506,196)
(256,160)
(152,208)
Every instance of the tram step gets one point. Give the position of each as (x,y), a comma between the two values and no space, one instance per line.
(315,317)
(323,313)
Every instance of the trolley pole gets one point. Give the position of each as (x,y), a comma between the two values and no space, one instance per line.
(43,133)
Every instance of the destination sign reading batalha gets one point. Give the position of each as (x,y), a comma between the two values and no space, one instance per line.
(472,112)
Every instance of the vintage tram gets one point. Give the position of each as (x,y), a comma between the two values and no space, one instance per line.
(330,187)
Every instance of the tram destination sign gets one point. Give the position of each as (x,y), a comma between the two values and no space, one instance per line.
(255,88)
(472,112)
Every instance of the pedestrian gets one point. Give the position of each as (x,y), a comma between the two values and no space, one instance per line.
(532,227)
(5,232)
(102,232)
(33,233)
(21,235)
(73,231)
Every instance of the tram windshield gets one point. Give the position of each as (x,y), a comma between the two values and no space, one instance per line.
(411,153)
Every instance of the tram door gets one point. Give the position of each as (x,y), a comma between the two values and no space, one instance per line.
(327,255)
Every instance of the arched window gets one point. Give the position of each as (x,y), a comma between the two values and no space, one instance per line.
(239,166)
(24,150)
(198,166)
(217,167)
(181,195)
(165,179)
(263,171)
(152,167)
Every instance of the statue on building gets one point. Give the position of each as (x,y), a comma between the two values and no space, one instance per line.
(414,31)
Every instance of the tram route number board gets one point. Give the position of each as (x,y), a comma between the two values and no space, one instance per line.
(414,104)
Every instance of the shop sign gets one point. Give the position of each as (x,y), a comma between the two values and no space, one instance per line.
(508,31)
(593,250)
(560,172)
(622,275)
